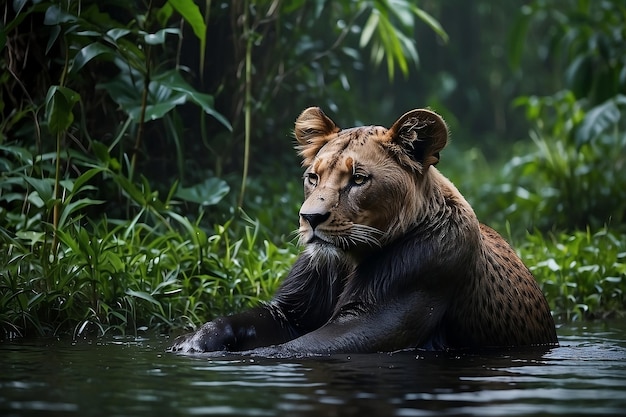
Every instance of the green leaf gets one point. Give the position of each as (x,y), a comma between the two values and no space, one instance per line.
(599,119)
(207,193)
(191,13)
(158,38)
(431,22)
(578,75)
(403,9)
(369,28)
(88,33)
(88,53)
(128,96)
(115,34)
(33,237)
(101,151)
(70,208)
(144,296)
(54,16)
(80,181)
(54,34)
(34,199)
(197,235)
(125,91)
(23,154)
(42,186)
(68,241)
(164,14)
(131,189)
(517,37)
(157,111)
(59,104)
(174,81)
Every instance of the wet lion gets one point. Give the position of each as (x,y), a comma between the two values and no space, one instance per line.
(393,256)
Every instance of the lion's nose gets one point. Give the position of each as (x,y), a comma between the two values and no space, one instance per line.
(315,219)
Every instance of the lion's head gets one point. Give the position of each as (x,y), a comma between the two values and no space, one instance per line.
(365,186)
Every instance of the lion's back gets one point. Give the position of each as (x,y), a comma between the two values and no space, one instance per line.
(502,303)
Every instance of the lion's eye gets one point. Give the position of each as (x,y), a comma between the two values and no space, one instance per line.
(359,179)
(312,179)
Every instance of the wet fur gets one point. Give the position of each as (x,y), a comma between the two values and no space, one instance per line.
(394,256)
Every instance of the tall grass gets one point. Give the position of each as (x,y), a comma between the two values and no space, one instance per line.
(121,277)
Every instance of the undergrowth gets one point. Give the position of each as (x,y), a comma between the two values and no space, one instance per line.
(582,274)
(121,276)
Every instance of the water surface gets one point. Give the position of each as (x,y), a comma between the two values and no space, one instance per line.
(135,377)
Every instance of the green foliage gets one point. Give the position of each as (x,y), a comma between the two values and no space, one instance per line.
(573,176)
(121,275)
(584,39)
(131,59)
(386,39)
(583,274)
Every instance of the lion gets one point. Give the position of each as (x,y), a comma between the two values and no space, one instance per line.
(393,257)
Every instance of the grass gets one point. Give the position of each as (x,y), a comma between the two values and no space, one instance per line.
(128,276)
(583,274)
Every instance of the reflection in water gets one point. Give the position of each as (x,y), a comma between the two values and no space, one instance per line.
(134,377)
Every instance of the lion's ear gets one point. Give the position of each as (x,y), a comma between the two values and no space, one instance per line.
(312,131)
(421,134)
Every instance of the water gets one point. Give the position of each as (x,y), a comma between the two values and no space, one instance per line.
(135,377)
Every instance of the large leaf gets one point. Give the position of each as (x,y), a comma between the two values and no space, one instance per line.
(174,81)
(191,13)
(55,15)
(88,53)
(207,193)
(599,119)
(189,10)
(43,186)
(158,110)
(59,104)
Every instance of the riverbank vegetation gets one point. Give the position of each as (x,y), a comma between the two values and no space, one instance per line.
(148,180)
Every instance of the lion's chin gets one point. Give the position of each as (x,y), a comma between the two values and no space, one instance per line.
(323,250)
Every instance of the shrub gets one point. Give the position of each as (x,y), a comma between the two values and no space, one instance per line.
(583,274)
(130,275)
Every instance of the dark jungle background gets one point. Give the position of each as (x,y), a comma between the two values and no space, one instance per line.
(147,172)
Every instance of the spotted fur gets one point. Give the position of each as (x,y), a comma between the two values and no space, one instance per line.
(394,256)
